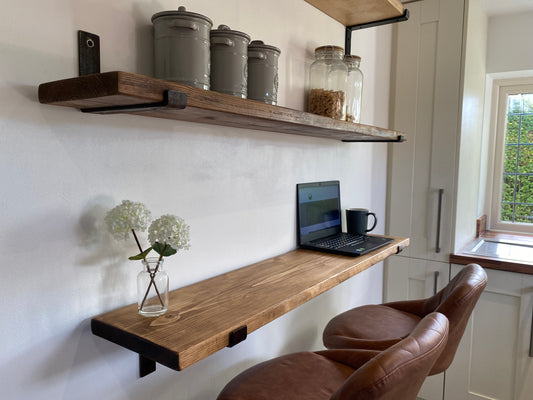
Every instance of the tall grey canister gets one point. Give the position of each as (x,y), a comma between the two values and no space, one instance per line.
(263,72)
(229,60)
(181,47)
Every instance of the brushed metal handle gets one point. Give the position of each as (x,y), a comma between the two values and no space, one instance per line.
(435,282)
(439,217)
(531,337)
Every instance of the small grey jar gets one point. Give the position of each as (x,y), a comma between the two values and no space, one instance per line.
(181,47)
(229,61)
(263,72)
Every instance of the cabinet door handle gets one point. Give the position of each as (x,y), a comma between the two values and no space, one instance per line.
(531,337)
(439,216)
(435,282)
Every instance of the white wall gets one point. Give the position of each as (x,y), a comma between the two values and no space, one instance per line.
(61,170)
(507,58)
(508,42)
(469,158)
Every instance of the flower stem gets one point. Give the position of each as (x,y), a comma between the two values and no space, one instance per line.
(136,240)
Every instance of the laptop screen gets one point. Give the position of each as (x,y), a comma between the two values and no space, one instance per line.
(318,210)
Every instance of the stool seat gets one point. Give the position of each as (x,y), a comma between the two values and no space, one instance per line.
(289,377)
(347,374)
(381,326)
(374,327)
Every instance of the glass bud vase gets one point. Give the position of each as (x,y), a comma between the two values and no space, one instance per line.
(152,288)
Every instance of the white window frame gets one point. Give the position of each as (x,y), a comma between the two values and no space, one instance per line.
(502,88)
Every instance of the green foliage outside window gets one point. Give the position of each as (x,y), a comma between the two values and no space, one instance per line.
(517,193)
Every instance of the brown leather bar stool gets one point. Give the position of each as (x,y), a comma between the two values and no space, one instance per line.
(396,373)
(377,327)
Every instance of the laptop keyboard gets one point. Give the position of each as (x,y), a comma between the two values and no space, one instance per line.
(342,241)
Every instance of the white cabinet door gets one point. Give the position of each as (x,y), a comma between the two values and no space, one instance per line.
(413,278)
(492,361)
(409,279)
(427,79)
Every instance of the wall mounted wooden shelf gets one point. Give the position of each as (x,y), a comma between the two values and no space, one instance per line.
(207,316)
(114,92)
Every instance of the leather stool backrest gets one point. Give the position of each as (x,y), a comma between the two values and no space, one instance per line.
(399,372)
(457,301)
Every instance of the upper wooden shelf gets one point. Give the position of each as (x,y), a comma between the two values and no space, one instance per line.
(359,12)
(207,316)
(97,92)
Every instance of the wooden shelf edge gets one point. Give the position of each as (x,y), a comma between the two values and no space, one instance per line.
(119,88)
(212,301)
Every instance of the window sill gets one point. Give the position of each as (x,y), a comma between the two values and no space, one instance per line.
(500,253)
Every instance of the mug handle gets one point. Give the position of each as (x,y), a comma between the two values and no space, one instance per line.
(375,221)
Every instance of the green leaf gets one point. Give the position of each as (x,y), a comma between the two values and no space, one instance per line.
(168,250)
(141,256)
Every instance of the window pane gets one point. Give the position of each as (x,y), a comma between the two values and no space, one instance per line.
(528,102)
(507,213)
(508,188)
(514,106)
(525,160)
(510,158)
(524,189)
(513,128)
(526,130)
(524,213)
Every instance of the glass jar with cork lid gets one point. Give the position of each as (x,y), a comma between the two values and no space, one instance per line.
(354,88)
(327,83)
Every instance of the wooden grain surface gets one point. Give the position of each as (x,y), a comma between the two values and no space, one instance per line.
(203,106)
(356,12)
(202,315)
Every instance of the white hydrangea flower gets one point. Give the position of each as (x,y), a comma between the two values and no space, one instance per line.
(170,230)
(127,216)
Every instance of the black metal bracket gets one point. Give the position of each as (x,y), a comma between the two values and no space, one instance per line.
(238,335)
(171,99)
(88,53)
(350,29)
(146,366)
(399,138)
(399,249)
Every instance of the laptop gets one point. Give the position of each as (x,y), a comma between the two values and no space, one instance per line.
(319,222)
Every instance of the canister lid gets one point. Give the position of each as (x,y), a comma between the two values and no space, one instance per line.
(183,13)
(329,49)
(224,30)
(259,45)
(351,57)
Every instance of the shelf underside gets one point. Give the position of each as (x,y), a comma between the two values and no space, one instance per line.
(359,12)
(118,88)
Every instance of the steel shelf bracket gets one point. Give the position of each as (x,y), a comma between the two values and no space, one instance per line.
(350,29)
(171,99)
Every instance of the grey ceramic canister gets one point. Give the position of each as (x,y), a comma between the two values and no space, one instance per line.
(263,72)
(229,61)
(181,47)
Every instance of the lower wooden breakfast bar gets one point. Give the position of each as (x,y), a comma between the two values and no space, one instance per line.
(221,311)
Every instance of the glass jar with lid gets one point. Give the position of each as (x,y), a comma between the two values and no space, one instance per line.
(327,83)
(354,88)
